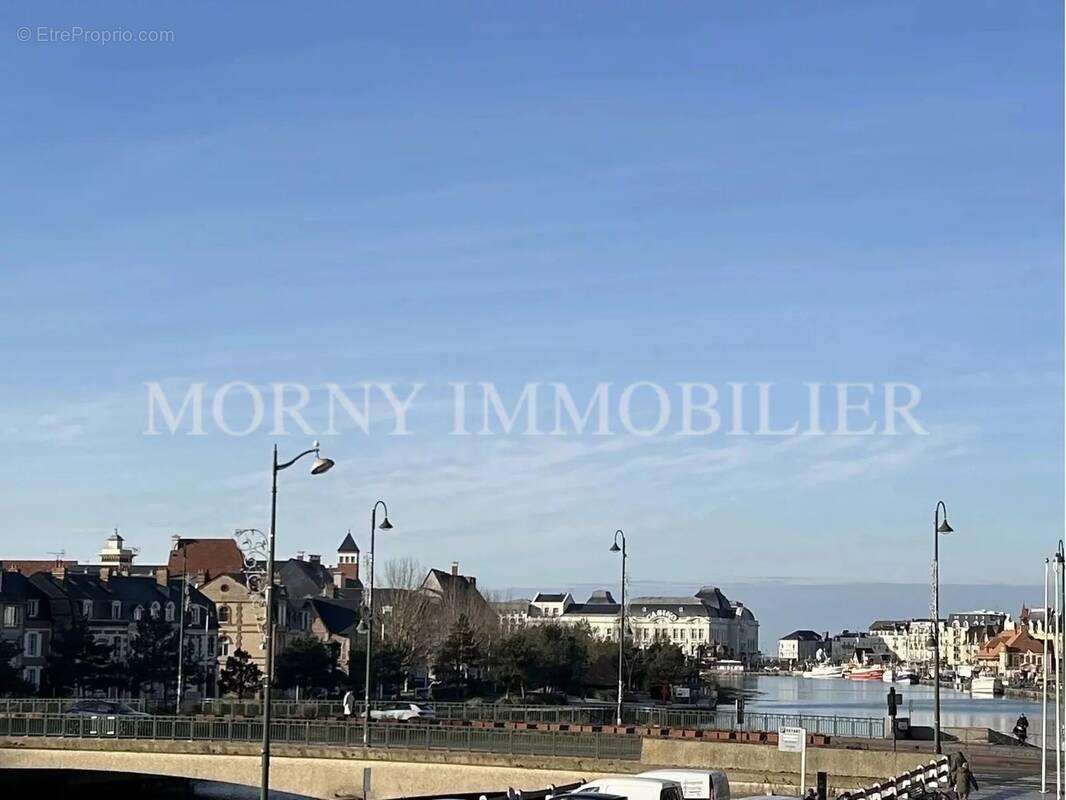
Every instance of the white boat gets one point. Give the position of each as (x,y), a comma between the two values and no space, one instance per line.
(986,684)
(900,676)
(824,671)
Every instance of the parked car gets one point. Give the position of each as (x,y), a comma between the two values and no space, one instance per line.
(634,788)
(110,708)
(402,712)
(696,784)
(575,795)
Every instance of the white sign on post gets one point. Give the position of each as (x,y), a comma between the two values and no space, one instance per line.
(794,740)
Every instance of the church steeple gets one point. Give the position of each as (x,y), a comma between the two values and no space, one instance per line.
(348,558)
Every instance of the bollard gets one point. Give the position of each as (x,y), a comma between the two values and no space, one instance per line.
(822,784)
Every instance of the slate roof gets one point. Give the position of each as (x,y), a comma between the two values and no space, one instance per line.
(28,566)
(338,618)
(593,609)
(348,545)
(548,597)
(802,636)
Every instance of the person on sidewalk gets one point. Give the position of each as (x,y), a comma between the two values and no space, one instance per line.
(349,703)
(964,782)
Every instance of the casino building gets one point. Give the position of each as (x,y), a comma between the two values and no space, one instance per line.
(706,625)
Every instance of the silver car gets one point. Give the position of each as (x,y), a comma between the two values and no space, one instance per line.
(403,712)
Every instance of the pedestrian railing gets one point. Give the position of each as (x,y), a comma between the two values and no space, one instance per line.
(324,733)
(38,705)
(651,716)
(920,782)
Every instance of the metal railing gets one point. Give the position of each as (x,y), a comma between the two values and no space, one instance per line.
(59,705)
(325,733)
(920,782)
(651,716)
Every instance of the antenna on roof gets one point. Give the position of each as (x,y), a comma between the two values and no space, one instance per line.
(57,555)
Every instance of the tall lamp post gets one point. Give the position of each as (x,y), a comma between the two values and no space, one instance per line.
(619,535)
(385,526)
(319,466)
(181,625)
(939,527)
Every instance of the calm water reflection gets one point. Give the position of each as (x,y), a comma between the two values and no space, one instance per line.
(838,697)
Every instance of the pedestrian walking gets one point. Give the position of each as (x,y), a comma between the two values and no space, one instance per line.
(964,782)
(349,703)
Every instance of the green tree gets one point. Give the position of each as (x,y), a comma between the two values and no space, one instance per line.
(664,665)
(561,657)
(77,661)
(11,682)
(153,656)
(306,663)
(513,661)
(459,654)
(241,676)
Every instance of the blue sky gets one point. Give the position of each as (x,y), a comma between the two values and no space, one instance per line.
(542,192)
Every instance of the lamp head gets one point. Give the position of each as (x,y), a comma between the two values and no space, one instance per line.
(362,628)
(385,525)
(321,465)
(944,527)
(615,548)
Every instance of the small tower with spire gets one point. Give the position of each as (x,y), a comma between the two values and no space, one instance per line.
(348,558)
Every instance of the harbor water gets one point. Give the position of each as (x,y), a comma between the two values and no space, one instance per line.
(790,694)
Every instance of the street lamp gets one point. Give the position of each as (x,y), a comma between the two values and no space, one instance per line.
(939,527)
(385,526)
(320,466)
(618,534)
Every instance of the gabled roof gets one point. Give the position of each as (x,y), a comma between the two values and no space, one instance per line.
(549,597)
(339,619)
(348,545)
(28,566)
(208,556)
(802,636)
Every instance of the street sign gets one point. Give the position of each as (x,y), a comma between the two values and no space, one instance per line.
(794,740)
(791,740)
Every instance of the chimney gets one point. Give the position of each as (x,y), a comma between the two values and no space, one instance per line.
(455,568)
(162,576)
(299,555)
(175,540)
(105,573)
(473,581)
(315,558)
(59,571)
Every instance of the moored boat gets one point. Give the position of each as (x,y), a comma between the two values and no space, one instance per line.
(866,673)
(986,684)
(824,671)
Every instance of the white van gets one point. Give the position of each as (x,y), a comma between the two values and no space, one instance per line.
(635,787)
(696,784)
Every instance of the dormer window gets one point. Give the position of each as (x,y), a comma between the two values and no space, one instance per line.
(169,615)
(138,613)
(86,608)
(32,608)
(116,609)
(154,610)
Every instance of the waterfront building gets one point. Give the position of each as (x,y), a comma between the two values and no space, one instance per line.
(799,647)
(706,625)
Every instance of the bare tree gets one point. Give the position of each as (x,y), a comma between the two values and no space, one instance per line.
(406,614)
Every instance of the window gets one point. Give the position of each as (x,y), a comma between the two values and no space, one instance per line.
(86,608)
(210,645)
(223,645)
(116,609)
(32,645)
(32,607)
(138,613)
(194,615)
(32,675)
(154,610)
(11,616)
(169,613)
(223,613)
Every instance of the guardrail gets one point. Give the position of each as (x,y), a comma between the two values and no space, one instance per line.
(59,705)
(920,782)
(325,733)
(651,716)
